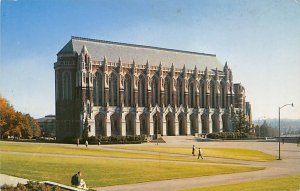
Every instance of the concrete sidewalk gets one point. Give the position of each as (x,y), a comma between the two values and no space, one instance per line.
(11,180)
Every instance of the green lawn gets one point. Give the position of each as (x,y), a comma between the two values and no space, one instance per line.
(82,151)
(289,183)
(103,172)
(230,153)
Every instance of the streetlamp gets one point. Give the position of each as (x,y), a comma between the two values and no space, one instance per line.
(291,104)
(157,128)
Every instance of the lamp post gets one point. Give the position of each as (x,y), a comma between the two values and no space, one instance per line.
(291,104)
(157,128)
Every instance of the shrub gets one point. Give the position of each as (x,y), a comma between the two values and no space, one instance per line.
(230,135)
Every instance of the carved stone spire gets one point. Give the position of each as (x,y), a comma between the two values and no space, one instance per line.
(206,73)
(195,72)
(147,68)
(216,74)
(184,71)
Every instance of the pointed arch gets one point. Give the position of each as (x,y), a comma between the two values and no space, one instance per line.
(130,124)
(142,93)
(113,89)
(144,124)
(127,90)
(100,124)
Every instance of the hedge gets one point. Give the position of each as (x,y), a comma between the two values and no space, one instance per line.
(230,135)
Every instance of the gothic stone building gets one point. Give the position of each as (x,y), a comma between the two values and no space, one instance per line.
(125,89)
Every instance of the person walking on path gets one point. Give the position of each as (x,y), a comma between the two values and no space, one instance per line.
(200,153)
(193,150)
(86,143)
(77,142)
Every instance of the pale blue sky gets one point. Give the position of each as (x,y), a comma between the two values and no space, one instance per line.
(260,39)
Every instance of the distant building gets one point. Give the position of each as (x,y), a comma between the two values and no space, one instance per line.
(113,88)
(48,125)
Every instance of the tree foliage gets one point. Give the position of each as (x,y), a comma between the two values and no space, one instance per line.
(17,124)
(240,122)
(265,130)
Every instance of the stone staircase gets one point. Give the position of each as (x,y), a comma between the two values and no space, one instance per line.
(179,139)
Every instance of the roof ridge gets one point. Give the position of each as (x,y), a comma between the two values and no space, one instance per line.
(141,46)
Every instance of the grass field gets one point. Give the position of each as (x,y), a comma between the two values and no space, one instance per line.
(82,151)
(289,183)
(230,153)
(103,172)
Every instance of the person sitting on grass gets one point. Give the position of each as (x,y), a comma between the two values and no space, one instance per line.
(77,181)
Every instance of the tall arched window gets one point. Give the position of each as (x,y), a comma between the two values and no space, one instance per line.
(168,95)
(191,93)
(127,91)
(142,91)
(66,86)
(202,94)
(100,87)
(223,94)
(180,91)
(113,90)
(155,91)
(212,94)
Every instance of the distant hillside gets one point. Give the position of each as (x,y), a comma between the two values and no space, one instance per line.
(287,126)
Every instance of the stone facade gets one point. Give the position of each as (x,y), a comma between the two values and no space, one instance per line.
(114,97)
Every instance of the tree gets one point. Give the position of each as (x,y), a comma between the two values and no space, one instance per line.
(15,123)
(240,122)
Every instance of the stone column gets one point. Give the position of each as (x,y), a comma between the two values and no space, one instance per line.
(108,125)
(197,103)
(135,98)
(221,122)
(164,127)
(207,104)
(106,98)
(209,122)
(186,100)
(188,124)
(151,125)
(123,124)
(149,98)
(174,99)
(137,124)
(121,97)
(162,99)
(199,122)
(176,125)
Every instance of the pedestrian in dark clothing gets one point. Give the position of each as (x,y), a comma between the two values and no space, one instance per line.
(193,150)
(77,181)
(200,153)
(77,142)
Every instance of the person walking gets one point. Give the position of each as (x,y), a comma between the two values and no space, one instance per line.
(193,150)
(77,142)
(200,153)
(86,143)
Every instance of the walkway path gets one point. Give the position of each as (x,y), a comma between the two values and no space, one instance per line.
(290,165)
(11,180)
